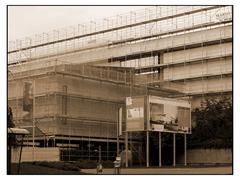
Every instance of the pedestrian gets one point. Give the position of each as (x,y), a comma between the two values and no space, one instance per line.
(99,168)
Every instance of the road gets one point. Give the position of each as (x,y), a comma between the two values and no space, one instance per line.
(186,170)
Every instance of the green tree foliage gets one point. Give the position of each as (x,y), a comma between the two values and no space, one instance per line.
(214,123)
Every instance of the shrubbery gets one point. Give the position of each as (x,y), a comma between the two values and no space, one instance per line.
(74,165)
(59,165)
(214,123)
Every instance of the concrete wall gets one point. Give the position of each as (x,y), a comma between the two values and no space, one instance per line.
(195,53)
(209,85)
(198,69)
(40,154)
(207,156)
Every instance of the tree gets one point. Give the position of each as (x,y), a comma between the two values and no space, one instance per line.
(214,125)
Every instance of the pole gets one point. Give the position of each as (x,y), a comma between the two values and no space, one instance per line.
(174,149)
(131,148)
(117,133)
(33,136)
(99,150)
(185,150)
(20,156)
(126,148)
(9,154)
(147,153)
(89,147)
(160,149)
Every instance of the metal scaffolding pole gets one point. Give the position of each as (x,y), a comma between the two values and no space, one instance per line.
(147,147)
(160,149)
(185,150)
(117,116)
(126,148)
(33,122)
(174,149)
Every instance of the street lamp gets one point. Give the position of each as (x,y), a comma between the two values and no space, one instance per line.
(99,166)
(99,154)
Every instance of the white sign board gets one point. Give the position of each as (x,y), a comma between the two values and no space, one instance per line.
(170,115)
(157,127)
(128,101)
(135,114)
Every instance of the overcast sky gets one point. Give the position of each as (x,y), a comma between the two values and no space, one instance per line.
(26,21)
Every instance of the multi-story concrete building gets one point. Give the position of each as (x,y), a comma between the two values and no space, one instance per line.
(70,84)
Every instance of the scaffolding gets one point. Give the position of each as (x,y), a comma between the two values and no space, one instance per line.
(150,23)
(134,40)
(79,74)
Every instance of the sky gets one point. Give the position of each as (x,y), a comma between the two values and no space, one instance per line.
(26,21)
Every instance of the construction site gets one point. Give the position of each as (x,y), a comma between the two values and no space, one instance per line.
(66,86)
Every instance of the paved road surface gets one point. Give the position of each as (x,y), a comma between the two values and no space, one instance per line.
(187,170)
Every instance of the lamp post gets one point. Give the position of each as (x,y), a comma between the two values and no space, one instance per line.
(99,154)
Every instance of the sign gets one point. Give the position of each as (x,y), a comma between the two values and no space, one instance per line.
(135,114)
(169,115)
(27,96)
(224,16)
(152,113)
(128,101)
(157,127)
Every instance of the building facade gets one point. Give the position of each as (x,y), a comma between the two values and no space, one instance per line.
(70,85)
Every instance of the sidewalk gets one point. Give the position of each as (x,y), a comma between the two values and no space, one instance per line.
(159,171)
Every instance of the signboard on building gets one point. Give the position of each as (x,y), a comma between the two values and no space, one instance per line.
(170,115)
(135,114)
(160,114)
(27,96)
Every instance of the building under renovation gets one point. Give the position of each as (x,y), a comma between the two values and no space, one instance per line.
(67,86)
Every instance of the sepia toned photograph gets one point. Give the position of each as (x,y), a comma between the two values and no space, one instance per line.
(120,90)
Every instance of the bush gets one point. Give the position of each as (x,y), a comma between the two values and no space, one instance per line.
(214,123)
(58,165)
(86,164)
(91,164)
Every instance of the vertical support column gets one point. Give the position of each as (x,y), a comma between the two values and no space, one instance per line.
(54,141)
(9,154)
(160,61)
(147,105)
(126,148)
(20,156)
(160,149)
(107,148)
(107,140)
(185,150)
(100,154)
(147,148)
(33,122)
(131,148)
(89,144)
(118,119)
(174,149)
